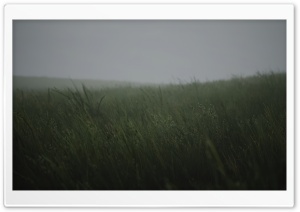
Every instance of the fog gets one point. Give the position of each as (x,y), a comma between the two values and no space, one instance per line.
(152,51)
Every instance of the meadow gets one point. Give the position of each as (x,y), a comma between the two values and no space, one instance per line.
(221,135)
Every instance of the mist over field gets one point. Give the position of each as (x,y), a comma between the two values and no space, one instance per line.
(149,105)
(148,51)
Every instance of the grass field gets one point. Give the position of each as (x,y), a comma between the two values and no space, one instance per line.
(222,135)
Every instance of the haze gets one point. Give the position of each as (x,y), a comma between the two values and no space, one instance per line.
(152,51)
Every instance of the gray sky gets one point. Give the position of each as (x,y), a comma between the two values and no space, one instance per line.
(148,50)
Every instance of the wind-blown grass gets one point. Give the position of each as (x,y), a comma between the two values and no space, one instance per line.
(197,136)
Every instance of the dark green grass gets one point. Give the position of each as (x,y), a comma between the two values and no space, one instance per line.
(198,136)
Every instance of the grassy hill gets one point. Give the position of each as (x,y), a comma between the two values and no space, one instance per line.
(28,83)
(223,135)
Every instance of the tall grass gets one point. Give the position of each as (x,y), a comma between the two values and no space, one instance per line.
(198,136)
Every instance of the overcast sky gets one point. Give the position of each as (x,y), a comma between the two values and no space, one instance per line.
(148,50)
